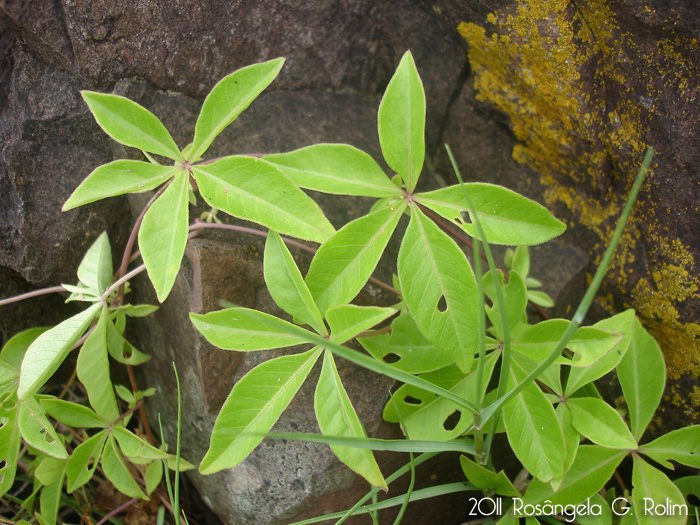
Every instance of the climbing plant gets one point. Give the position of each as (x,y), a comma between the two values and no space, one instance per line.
(469,360)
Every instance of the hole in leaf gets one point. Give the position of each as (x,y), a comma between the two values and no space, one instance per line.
(442,303)
(47,437)
(464,216)
(8,405)
(452,420)
(3,464)
(391,358)
(410,400)
(3,421)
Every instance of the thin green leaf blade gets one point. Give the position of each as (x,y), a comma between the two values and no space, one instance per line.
(163,235)
(257,191)
(117,178)
(402,122)
(254,405)
(348,320)
(345,262)
(335,168)
(286,284)
(337,417)
(48,351)
(642,375)
(601,423)
(93,370)
(130,124)
(229,97)
(244,329)
(506,217)
(431,267)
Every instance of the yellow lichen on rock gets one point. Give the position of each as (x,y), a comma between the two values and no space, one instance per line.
(551,66)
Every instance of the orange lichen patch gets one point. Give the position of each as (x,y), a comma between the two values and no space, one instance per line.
(551,66)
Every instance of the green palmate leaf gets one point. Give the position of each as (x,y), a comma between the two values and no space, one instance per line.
(485,479)
(122,350)
(428,416)
(642,375)
(681,445)
(229,97)
(347,320)
(402,122)
(533,431)
(72,414)
(622,323)
(521,261)
(335,168)
(83,462)
(50,498)
(345,262)
(589,344)
(93,370)
(163,235)
(405,348)
(153,477)
(601,423)
(439,289)
(95,270)
(10,443)
(651,488)
(38,431)
(257,191)
(136,449)
(287,286)
(117,178)
(15,348)
(337,417)
(590,471)
(117,471)
(253,406)
(48,351)
(244,329)
(7,373)
(138,310)
(132,125)
(506,217)
(48,469)
(540,298)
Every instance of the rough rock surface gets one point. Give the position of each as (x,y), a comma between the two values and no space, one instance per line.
(554,99)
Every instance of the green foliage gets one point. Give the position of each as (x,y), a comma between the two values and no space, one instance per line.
(473,363)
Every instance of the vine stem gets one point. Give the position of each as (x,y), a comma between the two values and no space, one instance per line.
(126,256)
(35,293)
(290,242)
(120,508)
